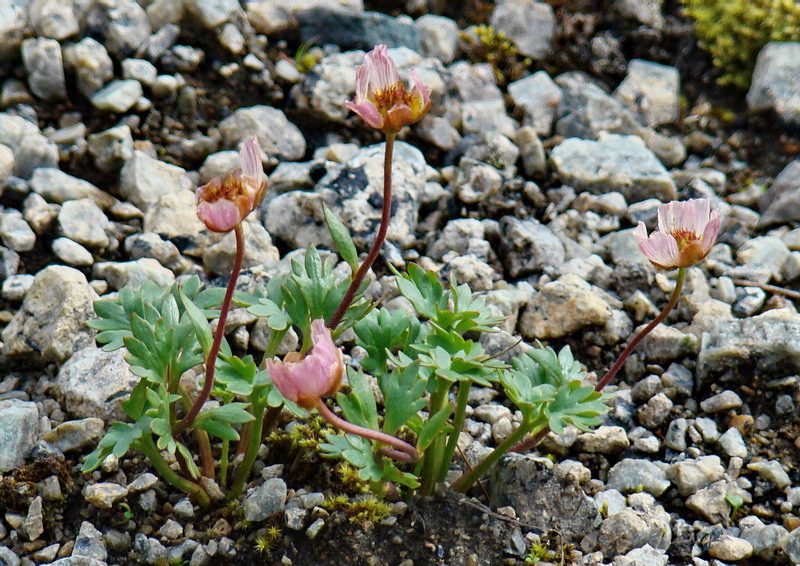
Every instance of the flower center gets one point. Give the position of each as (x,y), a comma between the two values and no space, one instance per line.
(384,99)
(684,238)
(229,188)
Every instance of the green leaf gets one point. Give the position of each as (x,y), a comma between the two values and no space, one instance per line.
(423,290)
(229,413)
(219,429)
(199,322)
(433,428)
(359,407)
(277,319)
(341,238)
(403,395)
(576,404)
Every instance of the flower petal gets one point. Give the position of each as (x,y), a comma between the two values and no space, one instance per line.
(711,231)
(219,216)
(250,159)
(661,249)
(368,113)
(382,70)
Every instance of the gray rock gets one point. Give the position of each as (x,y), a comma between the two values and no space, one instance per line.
(351,29)
(494,149)
(653,413)
(631,475)
(74,435)
(171,529)
(613,163)
(174,215)
(119,96)
(791,546)
(6,163)
(143,180)
(586,110)
(646,12)
(13,25)
(329,85)
(474,82)
(143,482)
(723,401)
(184,509)
(462,236)
(16,234)
(72,253)
(635,527)
(676,435)
(539,97)
(774,84)
(265,501)
(475,181)
(769,341)
(15,287)
(779,203)
(471,271)
(609,502)
(149,244)
(650,91)
(765,539)
(58,187)
(732,443)
(103,495)
(78,561)
(542,493)
(9,263)
(123,24)
(94,383)
(438,37)
(773,472)
(730,548)
(529,246)
(531,150)
(45,68)
(603,440)
(31,149)
(149,550)
(665,344)
(273,16)
(562,307)
(19,432)
(531,25)
(691,475)
(51,322)
(218,258)
(82,221)
(89,61)
(763,252)
(133,274)
(486,116)
(212,15)
(439,132)
(278,138)
(111,148)
(644,556)
(89,542)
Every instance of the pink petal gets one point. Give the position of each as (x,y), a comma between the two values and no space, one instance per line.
(711,231)
(399,116)
(218,216)
(661,249)
(666,217)
(382,70)
(284,379)
(250,159)
(420,87)
(362,84)
(368,113)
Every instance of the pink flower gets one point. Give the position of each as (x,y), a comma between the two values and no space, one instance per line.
(686,232)
(224,203)
(319,373)
(382,100)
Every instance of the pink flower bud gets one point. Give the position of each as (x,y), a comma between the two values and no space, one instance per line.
(305,380)
(686,233)
(382,99)
(224,203)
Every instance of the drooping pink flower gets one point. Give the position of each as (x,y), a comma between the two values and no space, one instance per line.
(305,380)
(382,99)
(686,233)
(224,203)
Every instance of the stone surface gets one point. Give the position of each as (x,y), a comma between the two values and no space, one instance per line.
(562,307)
(103,495)
(143,180)
(82,221)
(118,96)
(94,383)
(350,29)
(133,274)
(74,435)
(438,37)
(711,502)
(528,246)
(51,323)
(650,91)
(31,149)
(45,68)
(613,163)
(531,25)
(278,138)
(539,97)
(265,501)
(542,493)
(59,187)
(635,527)
(779,203)
(19,426)
(774,84)
(633,475)
(691,475)
(90,543)
(89,61)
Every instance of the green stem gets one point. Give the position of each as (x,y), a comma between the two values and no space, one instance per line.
(211,359)
(223,463)
(243,472)
(462,484)
(150,450)
(386,214)
(534,440)
(433,454)
(458,424)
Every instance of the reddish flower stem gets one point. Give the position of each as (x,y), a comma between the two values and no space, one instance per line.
(386,213)
(211,359)
(535,439)
(402,451)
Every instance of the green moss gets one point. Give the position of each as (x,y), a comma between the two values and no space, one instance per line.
(734,31)
(484,44)
(360,509)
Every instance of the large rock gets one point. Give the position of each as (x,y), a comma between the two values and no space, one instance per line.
(59,187)
(19,432)
(89,61)
(51,323)
(650,90)
(122,23)
(635,527)
(613,163)
(562,307)
(31,149)
(278,138)
(770,342)
(354,191)
(94,383)
(539,97)
(542,494)
(350,29)
(774,85)
(45,68)
(273,16)
(531,25)
(144,180)
(781,202)
(586,110)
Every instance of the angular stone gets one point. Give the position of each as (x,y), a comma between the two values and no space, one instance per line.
(774,84)
(118,96)
(529,246)
(531,25)
(632,475)
(59,187)
(90,63)
(19,426)
(265,501)
(143,180)
(278,138)
(45,68)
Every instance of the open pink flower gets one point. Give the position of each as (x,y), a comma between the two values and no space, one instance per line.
(305,379)
(382,99)
(686,233)
(224,203)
